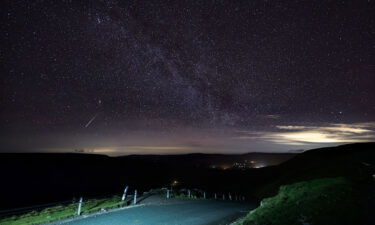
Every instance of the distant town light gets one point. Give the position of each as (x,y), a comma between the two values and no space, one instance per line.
(225,167)
(260,165)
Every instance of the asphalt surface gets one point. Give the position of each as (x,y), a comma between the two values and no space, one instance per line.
(196,212)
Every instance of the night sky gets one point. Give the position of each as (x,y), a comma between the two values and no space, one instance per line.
(151,77)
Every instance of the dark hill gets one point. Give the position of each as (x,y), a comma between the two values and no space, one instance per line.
(356,161)
(208,160)
(29,179)
(37,178)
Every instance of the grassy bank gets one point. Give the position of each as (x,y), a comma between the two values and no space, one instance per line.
(60,211)
(321,201)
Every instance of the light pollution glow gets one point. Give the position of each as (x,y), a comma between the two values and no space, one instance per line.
(333,133)
(281,138)
(305,136)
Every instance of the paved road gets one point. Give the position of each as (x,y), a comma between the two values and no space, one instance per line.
(181,213)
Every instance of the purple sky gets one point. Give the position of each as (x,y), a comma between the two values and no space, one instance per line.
(139,77)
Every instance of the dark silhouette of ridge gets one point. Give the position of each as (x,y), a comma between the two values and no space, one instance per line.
(37,178)
(356,161)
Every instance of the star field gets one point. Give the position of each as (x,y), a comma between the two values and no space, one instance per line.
(105,76)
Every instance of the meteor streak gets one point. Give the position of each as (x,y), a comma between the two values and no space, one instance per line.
(92,119)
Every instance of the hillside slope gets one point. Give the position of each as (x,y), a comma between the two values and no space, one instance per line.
(355,161)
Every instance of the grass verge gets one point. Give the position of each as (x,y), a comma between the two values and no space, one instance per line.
(316,202)
(61,212)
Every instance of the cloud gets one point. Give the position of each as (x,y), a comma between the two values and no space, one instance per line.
(271,116)
(305,135)
(343,128)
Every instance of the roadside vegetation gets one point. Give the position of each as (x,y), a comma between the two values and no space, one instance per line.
(316,202)
(63,211)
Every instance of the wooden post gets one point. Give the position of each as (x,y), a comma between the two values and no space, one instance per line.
(124,195)
(135,197)
(79,206)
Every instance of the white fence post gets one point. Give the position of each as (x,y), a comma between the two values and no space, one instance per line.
(124,195)
(168,193)
(230,197)
(204,195)
(79,206)
(215,196)
(189,194)
(135,197)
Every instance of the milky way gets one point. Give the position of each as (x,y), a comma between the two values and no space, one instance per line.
(124,77)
